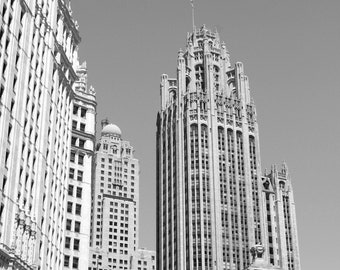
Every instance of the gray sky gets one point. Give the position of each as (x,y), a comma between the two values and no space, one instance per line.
(290,50)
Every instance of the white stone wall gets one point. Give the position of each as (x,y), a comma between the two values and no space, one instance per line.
(36,71)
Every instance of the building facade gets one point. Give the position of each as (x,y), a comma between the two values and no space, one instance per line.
(115,202)
(282,241)
(38,55)
(211,198)
(78,214)
(144,260)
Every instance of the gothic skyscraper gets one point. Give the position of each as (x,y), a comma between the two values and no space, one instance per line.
(213,202)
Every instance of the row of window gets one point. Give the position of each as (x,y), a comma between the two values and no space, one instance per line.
(77,109)
(110,160)
(77,208)
(76,225)
(80,158)
(116,168)
(79,174)
(67,262)
(79,191)
(75,125)
(78,142)
(76,243)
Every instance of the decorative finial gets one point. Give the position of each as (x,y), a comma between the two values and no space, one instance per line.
(105,122)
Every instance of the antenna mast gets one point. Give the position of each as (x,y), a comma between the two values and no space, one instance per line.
(193,14)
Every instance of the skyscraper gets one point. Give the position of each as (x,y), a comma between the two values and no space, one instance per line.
(38,55)
(78,214)
(282,241)
(115,202)
(213,205)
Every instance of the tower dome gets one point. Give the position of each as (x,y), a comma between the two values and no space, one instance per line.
(111,129)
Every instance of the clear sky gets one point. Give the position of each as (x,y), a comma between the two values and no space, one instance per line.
(290,50)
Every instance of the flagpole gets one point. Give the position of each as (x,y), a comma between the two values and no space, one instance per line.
(193,14)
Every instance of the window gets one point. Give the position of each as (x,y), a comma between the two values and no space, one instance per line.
(67,242)
(80,176)
(74,124)
(1,33)
(75,263)
(79,192)
(7,43)
(71,173)
(73,157)
(73,141)
(2,90)
(75,109)
(78,209)
(69,207)
(67,261)
(83,112)
(82,127)
(81,143)
(4,67)
(76,244)
(1,210)
(68,224)
(81,159)
(70,190)
(77,226)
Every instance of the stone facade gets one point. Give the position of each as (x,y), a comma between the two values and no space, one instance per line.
(78,213)
(144,260)
(115,202)
(38,56)
(281,225)
(211,199)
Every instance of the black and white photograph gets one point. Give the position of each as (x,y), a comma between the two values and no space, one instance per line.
(169,135)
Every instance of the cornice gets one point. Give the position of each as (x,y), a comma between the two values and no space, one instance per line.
(70,21)
(84,135)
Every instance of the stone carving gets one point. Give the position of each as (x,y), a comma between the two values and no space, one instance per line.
(257,251)
(193,117)
(204,117)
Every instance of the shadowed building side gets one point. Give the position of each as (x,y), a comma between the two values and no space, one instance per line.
(78,214)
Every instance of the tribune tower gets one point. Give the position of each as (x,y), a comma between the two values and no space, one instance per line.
(212,206)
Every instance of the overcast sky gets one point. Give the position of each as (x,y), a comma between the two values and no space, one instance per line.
(290,51)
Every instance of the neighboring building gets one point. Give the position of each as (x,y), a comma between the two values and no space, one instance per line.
(144,260)
(115,202)
(211,202)
(38,54)
(78,216)
(282,240)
